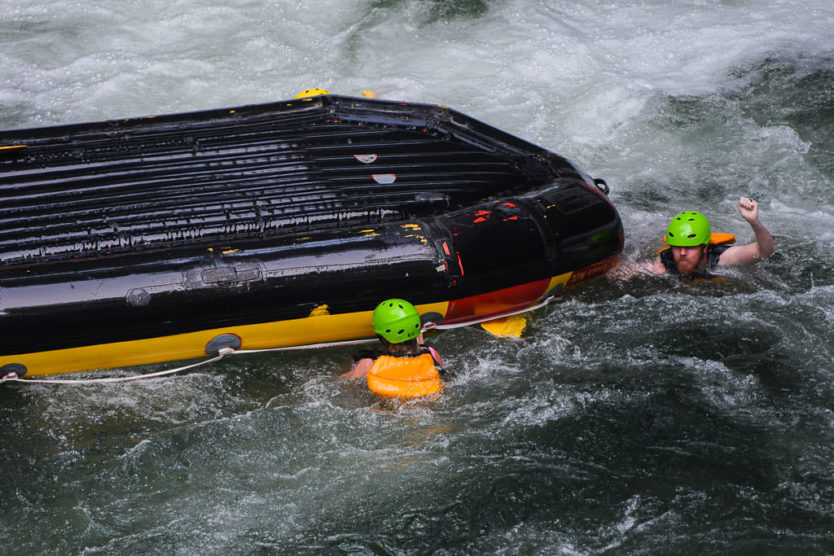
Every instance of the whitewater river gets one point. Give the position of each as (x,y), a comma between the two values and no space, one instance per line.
(639,416)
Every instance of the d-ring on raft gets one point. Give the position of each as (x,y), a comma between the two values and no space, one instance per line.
(165,238)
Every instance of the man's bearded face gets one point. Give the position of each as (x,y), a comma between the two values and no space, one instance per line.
(689,259)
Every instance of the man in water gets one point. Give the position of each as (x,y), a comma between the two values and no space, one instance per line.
(693,251)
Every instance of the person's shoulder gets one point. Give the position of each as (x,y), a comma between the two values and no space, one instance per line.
(659,265)
(366,354)
(662,263)
(359,368)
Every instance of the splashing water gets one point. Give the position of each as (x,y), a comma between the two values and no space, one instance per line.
(637,416)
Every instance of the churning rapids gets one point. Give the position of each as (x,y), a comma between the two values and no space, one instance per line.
(634,416)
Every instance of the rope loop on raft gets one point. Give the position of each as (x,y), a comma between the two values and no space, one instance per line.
(225,351)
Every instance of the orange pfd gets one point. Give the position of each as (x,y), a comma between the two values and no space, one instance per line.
(405,376)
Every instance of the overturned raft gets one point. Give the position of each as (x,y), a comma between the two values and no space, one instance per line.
(156,239)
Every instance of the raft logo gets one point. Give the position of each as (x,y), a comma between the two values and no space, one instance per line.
(588,273)
(384,179)
(365,158)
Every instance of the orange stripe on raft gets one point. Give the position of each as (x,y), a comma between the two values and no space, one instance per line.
(591,272)
(493,303)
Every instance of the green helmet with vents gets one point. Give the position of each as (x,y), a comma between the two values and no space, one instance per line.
(688,229)
(396,320)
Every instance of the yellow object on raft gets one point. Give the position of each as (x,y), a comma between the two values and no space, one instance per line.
(404,377)
(511,326)
(317,91)
(313,92)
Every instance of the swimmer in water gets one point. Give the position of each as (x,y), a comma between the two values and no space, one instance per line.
(693,251)
(405,367)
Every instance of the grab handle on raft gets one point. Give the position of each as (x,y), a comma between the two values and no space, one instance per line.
(430,320)
(601,185)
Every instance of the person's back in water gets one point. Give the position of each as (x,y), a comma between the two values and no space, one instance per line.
(405,367)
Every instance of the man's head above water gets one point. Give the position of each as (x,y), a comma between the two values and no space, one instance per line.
(692,249)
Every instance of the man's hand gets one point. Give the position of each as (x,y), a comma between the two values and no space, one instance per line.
(762,248)
(748,209)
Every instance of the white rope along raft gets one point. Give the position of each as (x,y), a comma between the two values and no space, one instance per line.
(226,351)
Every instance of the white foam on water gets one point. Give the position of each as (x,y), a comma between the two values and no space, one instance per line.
(636,92)
(591,64)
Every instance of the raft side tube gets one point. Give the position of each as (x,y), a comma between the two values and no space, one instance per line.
(148,232)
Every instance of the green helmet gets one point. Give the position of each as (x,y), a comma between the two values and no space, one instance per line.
(396,320)
(688,229)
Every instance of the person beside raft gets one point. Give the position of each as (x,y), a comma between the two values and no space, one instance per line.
(694,250)
(405,367)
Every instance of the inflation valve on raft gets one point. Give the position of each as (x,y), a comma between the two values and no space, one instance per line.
(16,369)
(221,342)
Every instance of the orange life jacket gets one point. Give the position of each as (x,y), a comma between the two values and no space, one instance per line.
(718,243)
(404,376)
(722,239)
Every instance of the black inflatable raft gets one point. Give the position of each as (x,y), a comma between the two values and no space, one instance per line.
(161,238)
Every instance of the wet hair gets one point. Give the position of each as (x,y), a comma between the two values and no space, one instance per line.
(402,348)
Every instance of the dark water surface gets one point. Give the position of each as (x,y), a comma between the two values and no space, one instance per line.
(635,416)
